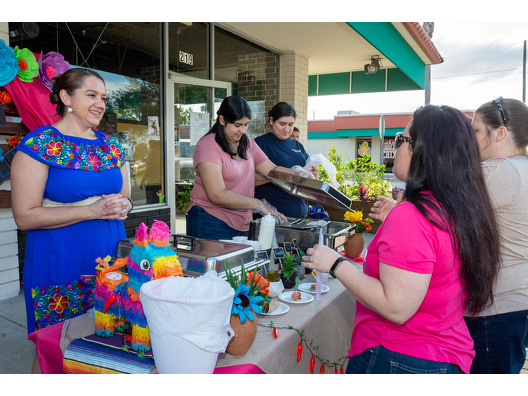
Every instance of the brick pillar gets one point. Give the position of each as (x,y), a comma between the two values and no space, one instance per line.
(294,88)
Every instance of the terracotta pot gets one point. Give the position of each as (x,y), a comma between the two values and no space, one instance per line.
(244,335)
(354,245)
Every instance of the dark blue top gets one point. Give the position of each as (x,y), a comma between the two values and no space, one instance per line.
(286,153)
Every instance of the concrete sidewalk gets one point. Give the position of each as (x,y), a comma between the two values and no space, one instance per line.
(17,351)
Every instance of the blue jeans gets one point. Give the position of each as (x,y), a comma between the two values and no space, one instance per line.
(201,224)
(380,360)
(500,342)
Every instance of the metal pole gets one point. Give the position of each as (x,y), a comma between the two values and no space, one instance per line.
(382,137)
(427,84)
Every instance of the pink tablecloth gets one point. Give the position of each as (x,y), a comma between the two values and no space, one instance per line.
(47,342)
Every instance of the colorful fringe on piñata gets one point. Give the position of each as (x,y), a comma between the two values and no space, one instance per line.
(117,302)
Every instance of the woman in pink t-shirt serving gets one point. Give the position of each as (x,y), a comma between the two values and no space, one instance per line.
(434,257)
(226,160)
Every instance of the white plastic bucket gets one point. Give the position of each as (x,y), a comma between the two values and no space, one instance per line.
(188,321)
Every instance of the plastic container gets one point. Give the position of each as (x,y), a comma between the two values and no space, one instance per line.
(188,321)
(267,232)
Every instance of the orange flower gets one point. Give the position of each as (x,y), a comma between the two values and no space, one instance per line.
(5,97)
(13,141)
(260,281)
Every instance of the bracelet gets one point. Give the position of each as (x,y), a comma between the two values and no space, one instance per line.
(131,203)
(334,266)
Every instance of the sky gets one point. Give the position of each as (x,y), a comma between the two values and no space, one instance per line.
(482,61)
(481,41)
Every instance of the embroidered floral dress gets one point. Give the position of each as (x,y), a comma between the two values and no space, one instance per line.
(56,260)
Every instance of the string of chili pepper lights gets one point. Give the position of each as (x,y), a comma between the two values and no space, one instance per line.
(309,344)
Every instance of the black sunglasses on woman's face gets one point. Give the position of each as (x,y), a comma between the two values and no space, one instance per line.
(400,139)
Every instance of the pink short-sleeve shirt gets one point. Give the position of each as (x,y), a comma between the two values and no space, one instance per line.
(437,331)
(239,177)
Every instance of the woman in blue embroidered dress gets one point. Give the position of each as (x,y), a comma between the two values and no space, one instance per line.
(70,192)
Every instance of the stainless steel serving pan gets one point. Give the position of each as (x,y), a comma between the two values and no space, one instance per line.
(197,256)
(313,190)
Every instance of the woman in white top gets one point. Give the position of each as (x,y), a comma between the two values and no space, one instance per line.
(500,331)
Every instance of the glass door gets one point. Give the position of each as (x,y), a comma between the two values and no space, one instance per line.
(194,106)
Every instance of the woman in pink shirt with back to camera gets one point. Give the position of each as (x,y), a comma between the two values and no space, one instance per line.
(434,257)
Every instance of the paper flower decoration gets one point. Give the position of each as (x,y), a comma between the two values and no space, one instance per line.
(14,140)
(8,64)
(249,293)
(53,65)
(5,97)
(27,64)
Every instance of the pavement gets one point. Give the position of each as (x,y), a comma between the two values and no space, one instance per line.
(17,352)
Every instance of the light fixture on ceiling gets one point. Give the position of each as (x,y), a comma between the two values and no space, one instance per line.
(374,65)
(25,30)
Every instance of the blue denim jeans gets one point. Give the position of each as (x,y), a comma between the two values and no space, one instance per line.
(500,342)
(201,224)
(380,360)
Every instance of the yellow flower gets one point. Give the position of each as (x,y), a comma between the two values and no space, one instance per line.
(353,216)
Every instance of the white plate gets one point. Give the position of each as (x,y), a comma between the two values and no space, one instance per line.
(286,297)
(305,287)
(282,308)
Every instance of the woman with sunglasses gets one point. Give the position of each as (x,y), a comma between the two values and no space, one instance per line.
(433,259)
(500,331)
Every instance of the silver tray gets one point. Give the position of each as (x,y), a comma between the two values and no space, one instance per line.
(313,190)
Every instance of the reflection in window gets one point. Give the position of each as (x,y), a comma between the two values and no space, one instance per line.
(127,55)
(254,72)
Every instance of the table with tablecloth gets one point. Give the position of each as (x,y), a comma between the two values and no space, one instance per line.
(326,323)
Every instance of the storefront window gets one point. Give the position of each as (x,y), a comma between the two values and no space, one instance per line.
(364,146)
(389,151)
(127,55)
(188,49)
(253,72)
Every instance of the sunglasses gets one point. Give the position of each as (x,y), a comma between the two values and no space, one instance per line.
(498,101)
(400,139)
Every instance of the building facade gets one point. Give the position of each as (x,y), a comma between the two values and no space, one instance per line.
(166,80)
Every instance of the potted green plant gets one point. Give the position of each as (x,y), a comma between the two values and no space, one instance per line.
(183,195)
(359,179)
(276,286)
(289,267)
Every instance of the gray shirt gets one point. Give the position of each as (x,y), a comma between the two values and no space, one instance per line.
(507,182)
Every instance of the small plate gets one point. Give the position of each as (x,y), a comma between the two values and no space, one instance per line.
(281,309)
(286,297)
(305,287)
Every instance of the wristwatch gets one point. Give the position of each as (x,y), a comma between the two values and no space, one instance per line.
(334,266)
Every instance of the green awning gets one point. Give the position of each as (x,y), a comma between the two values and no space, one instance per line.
(409,74)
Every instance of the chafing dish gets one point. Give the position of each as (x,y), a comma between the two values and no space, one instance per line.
(313,190)
(334,232)
(197,256)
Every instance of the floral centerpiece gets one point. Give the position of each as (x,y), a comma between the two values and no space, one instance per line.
(355,218)
(355,243)
(251,294)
